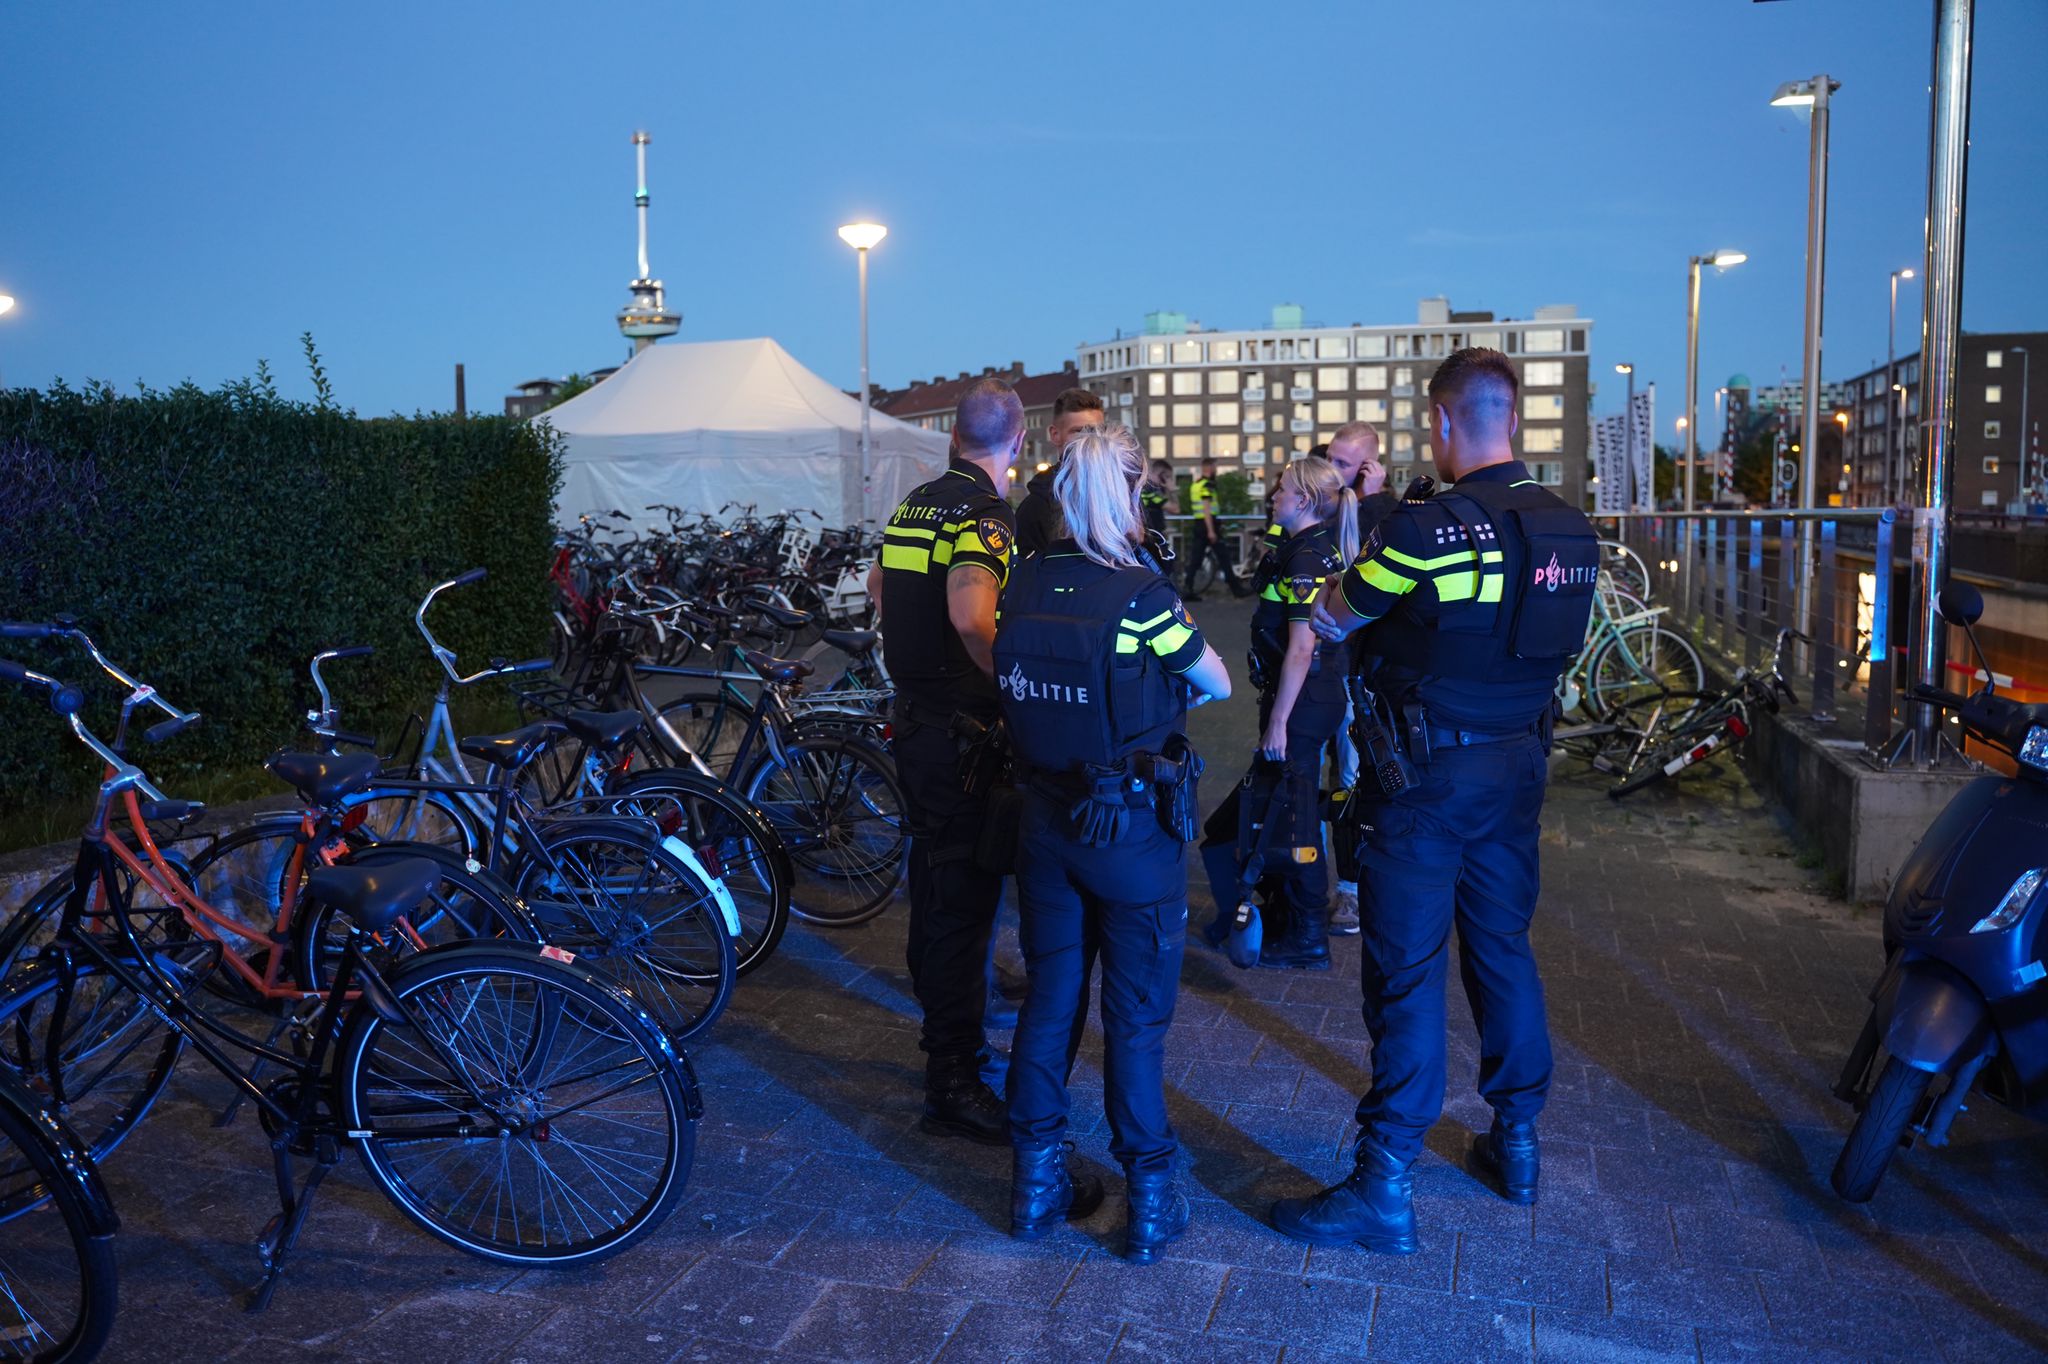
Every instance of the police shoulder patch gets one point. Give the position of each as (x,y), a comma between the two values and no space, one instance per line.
(994,533)
(1180,612)
(1304,587)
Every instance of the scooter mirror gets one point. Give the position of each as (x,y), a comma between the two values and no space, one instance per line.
(1960,603)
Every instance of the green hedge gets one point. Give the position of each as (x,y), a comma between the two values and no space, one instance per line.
(212,542)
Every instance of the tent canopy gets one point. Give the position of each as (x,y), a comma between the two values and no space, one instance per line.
(700,424)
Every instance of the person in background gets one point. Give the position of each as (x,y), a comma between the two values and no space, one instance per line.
(1157,497)
(1038,515)
(1208,536)
(1354,450)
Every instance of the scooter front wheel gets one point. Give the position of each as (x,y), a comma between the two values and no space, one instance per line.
(1875,1138)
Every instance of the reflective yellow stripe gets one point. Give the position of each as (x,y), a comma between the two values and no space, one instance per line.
(1126,644)
(1377,574)
(1271,592)
(1457,586)
(910,532)
(1430,565)
(1489,590)
(1491,556)
(1140,626)
(904,556)
(1170,640)
(942,552)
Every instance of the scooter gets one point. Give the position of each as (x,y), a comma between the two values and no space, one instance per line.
(1962,1006)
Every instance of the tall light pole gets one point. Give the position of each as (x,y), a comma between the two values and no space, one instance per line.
(1811,94)
(1891,382)
(1720,260)
(1628,440)
(862,238)
(2025,365)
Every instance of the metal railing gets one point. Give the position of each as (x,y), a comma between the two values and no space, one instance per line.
(1732,580)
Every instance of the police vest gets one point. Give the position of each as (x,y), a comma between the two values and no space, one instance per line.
(1066,701)
(1550,568)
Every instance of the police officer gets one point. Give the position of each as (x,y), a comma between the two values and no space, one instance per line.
(1473,604)
(1301,705)
(945,554)
(1156,498)
(1208,535)
(1038,516)
(1095,659)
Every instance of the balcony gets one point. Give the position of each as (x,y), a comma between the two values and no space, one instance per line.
(1301,395)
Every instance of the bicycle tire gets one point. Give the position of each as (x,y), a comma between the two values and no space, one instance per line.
(1639,663)
(736,842)
(1657,763)
(421,815)
(826,793)
(591,885)
(59,1224)
(543,1002)
(712,724)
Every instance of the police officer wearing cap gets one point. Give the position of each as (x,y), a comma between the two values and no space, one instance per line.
(1472,605)
(945,554)
(1096,661)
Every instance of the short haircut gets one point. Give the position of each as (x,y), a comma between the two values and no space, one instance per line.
(1319,451)
(1477,386)
(1075,400)
(1352,432)
(989,417)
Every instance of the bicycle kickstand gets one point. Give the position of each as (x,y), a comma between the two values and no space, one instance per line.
(282,1233)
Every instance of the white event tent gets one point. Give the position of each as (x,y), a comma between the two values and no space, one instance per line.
(699,424)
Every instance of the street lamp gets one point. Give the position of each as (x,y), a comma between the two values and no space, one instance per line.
(6,303)
(1720,260)
(1628,442)
(862,238)
(1811,94)
(1891,378)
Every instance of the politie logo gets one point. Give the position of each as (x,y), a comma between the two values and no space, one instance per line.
(1554,575)
(1024,689)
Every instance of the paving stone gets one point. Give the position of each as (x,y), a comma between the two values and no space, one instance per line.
(862,1248)
(1607,1223)
(1140,1344)
(1174,1293)
(1542,1273)
(1875,1322)
(1717,1236)
(1422,1328)
(981,1267)
(1579,1338)
(448,1324)
(1663,1291)
(1720,1347)
(858,1322)
(737,1227)
(1292,1309)
(1000,1333)
(1432,1268)
(732,1300)
(575,1334)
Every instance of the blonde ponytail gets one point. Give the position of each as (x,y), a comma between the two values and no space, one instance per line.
(1096,488)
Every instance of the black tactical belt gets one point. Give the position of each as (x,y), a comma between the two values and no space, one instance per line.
(1440,737)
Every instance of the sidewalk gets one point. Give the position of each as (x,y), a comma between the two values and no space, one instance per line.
(1702,993)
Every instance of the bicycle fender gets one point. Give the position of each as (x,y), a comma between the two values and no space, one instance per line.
(70,1154)
(1935,1020)
(687,855)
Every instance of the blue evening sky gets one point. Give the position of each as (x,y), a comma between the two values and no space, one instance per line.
(190,186)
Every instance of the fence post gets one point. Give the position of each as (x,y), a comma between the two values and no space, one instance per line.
(1824,616)
(1753,607)
(1708,615)
(1883,680)
(1786,545)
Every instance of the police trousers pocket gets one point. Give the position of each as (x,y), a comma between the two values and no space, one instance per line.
(1002,829)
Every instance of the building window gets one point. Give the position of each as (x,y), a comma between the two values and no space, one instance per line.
(1223,414)
(1187,383)
(1333,348)
(1542,440)
(1548,472)
(1187,414)
(1187,352)
(1155,383)
(1538,407)
(1404,410)
(1991,464)
(1333,411)
(1187,447)
(1301,378)
(1401,346)
(1224,445)
(1436,343)
(1223,352)
(1990,498)
(1403,376)
(1992,430)
(1543,374)
(1156,445)
(1542,341)
(1224,381)
(1370,347)
(1994,359)
(1372,378)
(1371,409)
(1155,414)
(1490,340)
(1994,393)
(1156,353)
(1333,377)
(1404,442)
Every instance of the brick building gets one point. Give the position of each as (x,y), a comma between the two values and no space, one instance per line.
(931,404)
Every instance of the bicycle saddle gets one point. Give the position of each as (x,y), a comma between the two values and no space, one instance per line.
(325,778)
(602,729)
(777,669)
(789,620)
(517,748)
(855,642)
(375,897)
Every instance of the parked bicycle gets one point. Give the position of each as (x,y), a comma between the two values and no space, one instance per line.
(59,1286)
(1708,723)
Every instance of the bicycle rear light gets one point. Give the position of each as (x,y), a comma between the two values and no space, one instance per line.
(1738,727)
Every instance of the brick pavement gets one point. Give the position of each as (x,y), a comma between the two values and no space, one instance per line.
(1701,990)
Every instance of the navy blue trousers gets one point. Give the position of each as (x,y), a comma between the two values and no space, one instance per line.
(1128,905)
(1456,851)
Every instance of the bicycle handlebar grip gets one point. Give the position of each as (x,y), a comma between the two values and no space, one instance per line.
(153,810)
(532,665)
(23,629)
(177,724)
(10,671)
(475,575)
(356,650)
(343,736)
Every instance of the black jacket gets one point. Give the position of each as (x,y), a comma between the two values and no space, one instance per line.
(1038,516)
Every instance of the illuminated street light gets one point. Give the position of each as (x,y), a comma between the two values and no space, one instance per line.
(6,303)
(1720,260)
(862,238)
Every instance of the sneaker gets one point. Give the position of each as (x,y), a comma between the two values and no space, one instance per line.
(1344,912)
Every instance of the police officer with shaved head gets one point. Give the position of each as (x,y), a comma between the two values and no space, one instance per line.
(1474,601)
(945,556)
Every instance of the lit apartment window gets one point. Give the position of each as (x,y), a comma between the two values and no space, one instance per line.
(1371,409)
(1187,352)
(1333,377)
(1155,383)
(1543,374)
(1225,381)
(1401,345)
(1490,340)
(1223,414)
(1370,347)
(1156,353)
(1992,430)
(1403,375)
(1436,343)
(1187,414)
(1155,414)
(1994,393)
(1991,464)
(1542,440)
(1548,472)
(1372,378)
(1538,407)
(1223,352)
(1187,383)
(1333,411)
(1404,410)
(1404,442)
(1302,445)
(1255,379)
(1156,446)
(1187,447)
(1301,378)
(1542,341)
(1333,348)
(1224,445)
(1994,359)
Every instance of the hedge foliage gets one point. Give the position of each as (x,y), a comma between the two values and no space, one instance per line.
(212,542)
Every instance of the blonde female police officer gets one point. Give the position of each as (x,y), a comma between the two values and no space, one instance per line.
(1095,662)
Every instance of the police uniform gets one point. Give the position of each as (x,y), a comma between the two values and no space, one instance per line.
(954,520)
(1476,598)
(1088,662)
(1201,497)
(1152,506)
(1286,582)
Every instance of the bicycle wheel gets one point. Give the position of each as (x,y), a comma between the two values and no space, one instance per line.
(1639,664)
(712,724)
(836,803)
(1673,755)
(58,1286)
(636,911)
(525,1110)
(734,841)
(394,815)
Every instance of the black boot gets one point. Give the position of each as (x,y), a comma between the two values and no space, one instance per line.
(1158,1213)
(1375,1207)
(958,1103)
(1505,1156)
(1305,946)
(1044,1192)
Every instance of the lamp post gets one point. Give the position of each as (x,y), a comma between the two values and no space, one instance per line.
(1720,260)
(862,238)
(1891,380)
(1628,441)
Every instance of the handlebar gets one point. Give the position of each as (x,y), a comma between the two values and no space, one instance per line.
(475,575)
(445,656)
(21,629)
(165,729)
(64,698)
(1999,721)
(67,627)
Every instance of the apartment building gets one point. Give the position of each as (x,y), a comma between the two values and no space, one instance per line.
(1996,426)
(931,403)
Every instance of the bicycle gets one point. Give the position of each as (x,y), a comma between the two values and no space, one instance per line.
(484,1084)
(1717,721)
(59,1287)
